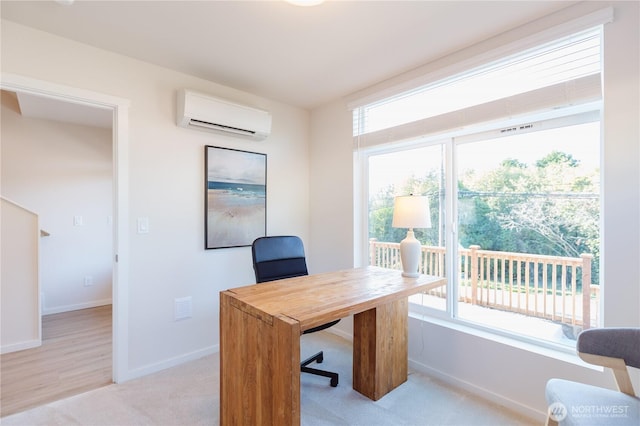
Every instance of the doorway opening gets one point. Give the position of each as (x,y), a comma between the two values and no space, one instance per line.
(116,220)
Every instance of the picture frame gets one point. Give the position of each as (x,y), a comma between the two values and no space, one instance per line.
(235,197)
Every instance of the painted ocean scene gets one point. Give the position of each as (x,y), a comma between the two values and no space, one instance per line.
(236,197)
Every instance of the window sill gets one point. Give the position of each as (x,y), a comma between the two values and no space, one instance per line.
(549,350)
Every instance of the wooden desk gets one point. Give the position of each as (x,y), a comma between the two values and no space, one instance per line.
(260,328)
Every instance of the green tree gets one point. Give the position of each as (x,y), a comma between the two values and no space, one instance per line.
(550,207)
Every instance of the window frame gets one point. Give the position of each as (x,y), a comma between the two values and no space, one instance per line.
(584,96)
(562,118)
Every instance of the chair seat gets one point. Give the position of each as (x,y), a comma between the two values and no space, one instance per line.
(592,405)
(321,327)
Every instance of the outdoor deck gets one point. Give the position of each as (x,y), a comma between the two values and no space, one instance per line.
(556,289)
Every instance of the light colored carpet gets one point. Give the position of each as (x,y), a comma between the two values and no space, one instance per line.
(189,395)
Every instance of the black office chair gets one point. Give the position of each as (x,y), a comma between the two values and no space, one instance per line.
(282,257)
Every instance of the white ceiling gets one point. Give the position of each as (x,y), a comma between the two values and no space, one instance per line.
(303,56)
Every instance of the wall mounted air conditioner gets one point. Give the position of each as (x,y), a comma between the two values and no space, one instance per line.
(204,112)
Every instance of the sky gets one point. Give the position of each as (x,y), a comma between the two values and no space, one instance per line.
(581,141)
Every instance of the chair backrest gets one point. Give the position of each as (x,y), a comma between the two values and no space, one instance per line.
(278,257)
(613,347)
(614,342)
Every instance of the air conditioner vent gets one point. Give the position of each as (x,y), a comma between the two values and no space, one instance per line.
(204,112)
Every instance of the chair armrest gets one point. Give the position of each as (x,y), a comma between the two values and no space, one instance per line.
(619,370)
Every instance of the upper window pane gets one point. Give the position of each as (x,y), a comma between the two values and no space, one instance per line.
(557,62)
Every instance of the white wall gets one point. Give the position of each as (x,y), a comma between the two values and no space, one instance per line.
(62,170)
(166,184)
(512,375)
(331,190)
(19,307)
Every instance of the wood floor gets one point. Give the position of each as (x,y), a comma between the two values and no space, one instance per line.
(75,357)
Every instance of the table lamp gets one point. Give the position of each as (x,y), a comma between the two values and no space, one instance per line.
(410,211)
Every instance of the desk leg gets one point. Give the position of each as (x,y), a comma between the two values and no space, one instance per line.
(259,366)
(380,349)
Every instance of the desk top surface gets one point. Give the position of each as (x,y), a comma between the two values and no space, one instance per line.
(316,299)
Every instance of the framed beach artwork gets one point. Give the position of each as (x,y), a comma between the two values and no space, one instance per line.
(235,197)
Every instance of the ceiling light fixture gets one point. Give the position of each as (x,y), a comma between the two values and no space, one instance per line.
(305,2)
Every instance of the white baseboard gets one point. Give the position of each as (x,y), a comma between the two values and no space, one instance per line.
(78,306)
(168,363)
(480,392)
(15,347)
(461,384)
(338,332)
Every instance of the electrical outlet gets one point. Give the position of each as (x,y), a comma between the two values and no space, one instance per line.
(88,281)
(182,308)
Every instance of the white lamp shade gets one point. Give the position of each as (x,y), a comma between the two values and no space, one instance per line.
(411,211)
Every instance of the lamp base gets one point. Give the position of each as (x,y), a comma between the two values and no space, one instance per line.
(410,255)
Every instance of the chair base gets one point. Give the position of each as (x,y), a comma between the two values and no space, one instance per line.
(319,357)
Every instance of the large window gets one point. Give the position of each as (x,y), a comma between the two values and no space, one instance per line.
(514,202)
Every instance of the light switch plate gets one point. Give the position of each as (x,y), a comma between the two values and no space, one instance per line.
(143,225)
